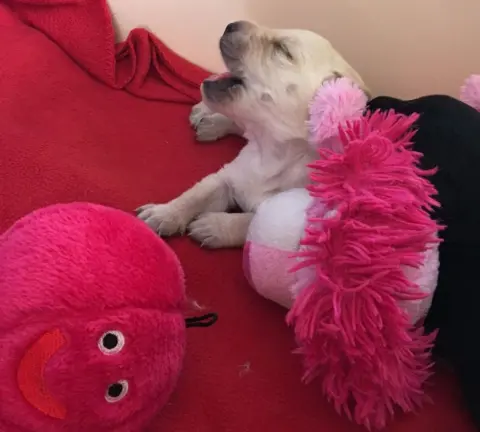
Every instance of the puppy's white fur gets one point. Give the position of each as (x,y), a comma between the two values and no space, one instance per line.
(281,70)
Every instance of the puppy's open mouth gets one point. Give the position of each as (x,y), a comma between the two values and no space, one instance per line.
(219,88)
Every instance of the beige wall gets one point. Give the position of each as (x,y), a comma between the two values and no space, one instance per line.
(401,47)
(191,27)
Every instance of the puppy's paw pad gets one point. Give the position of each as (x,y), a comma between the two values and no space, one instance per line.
(207,230)
(162,218)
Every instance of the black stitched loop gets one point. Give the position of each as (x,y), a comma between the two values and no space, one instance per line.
(202,321)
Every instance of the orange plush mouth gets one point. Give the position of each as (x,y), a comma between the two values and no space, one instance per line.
(31,374)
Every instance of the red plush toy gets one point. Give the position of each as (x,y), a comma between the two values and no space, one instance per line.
(92,327)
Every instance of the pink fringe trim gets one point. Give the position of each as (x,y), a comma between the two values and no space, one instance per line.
(348,323)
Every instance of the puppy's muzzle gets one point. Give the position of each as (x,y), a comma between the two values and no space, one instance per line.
(234,27)
(221,89)
(234,42)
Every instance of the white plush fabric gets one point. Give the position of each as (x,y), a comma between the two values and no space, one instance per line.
(275,233)
(280,220)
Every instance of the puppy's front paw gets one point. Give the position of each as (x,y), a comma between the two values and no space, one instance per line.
(210,126)
(199,111)
(210,130)
(162,218)
(208,230)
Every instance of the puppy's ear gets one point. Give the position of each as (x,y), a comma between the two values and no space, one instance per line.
(352,76)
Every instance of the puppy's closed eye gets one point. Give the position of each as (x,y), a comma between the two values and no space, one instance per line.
(280,47)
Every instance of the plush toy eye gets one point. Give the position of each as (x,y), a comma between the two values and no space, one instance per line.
(111,342)
(116,392)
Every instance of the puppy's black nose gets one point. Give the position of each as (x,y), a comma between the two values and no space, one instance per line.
(233,27)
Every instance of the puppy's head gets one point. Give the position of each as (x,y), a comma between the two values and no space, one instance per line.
(273,75)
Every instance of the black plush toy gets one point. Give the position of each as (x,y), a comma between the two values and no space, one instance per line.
(449,137)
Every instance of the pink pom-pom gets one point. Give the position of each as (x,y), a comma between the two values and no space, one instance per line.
(336,103)
(470,91)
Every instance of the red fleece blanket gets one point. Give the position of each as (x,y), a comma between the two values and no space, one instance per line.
(81,119)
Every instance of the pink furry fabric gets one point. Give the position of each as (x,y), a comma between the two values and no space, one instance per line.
(335,103)
(470,92)
(348,323)
(70,274)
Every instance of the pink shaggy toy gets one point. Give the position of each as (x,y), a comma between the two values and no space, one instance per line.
(470,92)
(92,332)
(368,222)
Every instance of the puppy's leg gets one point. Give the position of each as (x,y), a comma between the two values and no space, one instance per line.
(211,126)
(209,195)
(221,230)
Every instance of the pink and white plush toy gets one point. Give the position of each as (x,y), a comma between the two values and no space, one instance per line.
(355,258)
